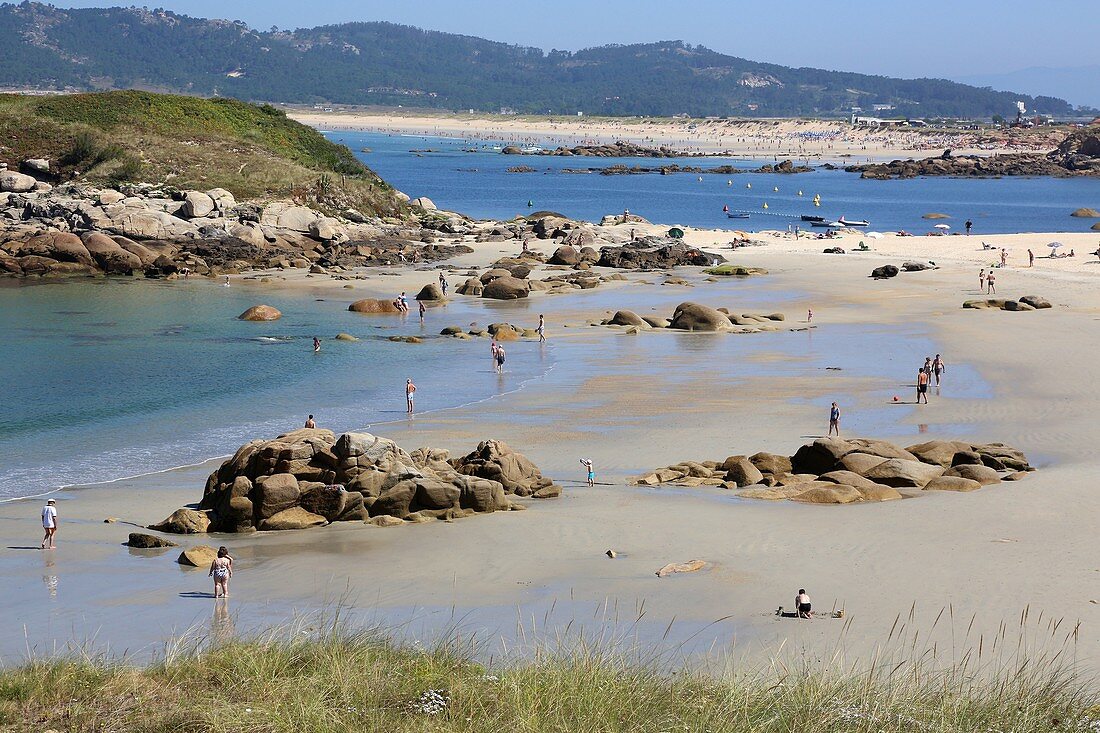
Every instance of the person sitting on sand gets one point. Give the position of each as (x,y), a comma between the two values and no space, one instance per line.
(802,603)
(221,570)
(310,423)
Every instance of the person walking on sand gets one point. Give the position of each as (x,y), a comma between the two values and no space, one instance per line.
(802,603)
(310,424)
(221,570)
(49,524)
(922,386)
(938,368)
(420,303)
(834,419)
(316,344)
(928,367)
(541,329)
(410,395)
(1030,258)
(990,283)
(587,463)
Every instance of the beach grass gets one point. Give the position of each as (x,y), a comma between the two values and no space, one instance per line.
(254,151)
(337,680)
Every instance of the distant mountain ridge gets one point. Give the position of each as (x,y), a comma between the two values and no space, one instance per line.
(385,64)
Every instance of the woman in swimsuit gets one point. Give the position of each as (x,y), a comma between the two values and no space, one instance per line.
(221,570)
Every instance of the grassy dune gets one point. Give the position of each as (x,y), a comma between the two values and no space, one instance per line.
(255,151)
(363,682)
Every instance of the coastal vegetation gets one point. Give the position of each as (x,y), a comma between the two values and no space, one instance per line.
(253,151)
(333,680)
(42,47)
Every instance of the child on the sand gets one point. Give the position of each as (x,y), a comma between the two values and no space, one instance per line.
(587,463)
(221,570)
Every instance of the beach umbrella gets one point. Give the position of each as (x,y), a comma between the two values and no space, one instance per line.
(676,233)
(1054,245)
(741,234)
(874,235)
(945,227)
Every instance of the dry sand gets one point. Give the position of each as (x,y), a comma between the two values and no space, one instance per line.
(633,403)
(809,140)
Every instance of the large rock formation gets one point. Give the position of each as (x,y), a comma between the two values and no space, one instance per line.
(310,477)
(648,254)
(837,471)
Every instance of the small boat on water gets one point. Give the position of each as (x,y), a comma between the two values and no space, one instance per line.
(826,224)
(857,223)
(811,217)
(735,215)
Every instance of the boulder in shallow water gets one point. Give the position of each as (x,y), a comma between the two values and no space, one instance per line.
(148,541)
(506,288)
(886,271)
(984,475)
(695,317)
(199,556)
(293,518)
(261,313)
(374,306)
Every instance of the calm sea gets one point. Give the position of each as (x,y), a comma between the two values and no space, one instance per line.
(109,379)
(479,185)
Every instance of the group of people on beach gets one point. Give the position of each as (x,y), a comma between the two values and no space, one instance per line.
(932,369)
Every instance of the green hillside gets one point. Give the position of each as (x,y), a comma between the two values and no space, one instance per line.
(386,64)
(254,151)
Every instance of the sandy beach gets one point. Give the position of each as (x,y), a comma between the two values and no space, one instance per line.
(802,140)
(635,402)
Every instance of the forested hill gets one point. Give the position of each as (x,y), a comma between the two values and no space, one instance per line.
(385,64)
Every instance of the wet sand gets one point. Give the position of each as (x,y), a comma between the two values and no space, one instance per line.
(632,403)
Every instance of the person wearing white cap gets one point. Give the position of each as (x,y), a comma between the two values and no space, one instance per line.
(49,523)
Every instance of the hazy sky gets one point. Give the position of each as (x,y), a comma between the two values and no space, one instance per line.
(944,38)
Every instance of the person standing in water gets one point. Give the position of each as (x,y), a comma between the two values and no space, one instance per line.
(500,359)
(420,303)
(834,420)
(226,283)
(221,570)
(938,368)
(969,225)
(310,423)
(442,283)
(922,386)
(49,524)
(542,329)
(587,463)
(316,344)
(410,395)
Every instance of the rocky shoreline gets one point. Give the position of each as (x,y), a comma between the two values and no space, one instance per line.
(1077,155)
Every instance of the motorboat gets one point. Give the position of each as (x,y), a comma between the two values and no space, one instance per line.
(812,218)
(859,223)
(735,215)
(826,224)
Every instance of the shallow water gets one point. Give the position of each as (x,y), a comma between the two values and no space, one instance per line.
(477,184)
(115,378)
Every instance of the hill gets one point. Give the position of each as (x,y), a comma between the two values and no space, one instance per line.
(255,152)
(386,64)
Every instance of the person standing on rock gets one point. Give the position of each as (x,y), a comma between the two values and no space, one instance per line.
(310,424)
(938,368)
(834,420)
(410,394)
(587,463)
(922,386)
(221,570)
(542,329)
(49,524)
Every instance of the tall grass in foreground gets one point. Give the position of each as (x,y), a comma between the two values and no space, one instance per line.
(340,680)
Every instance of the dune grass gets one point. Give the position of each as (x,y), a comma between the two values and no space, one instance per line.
(338,680)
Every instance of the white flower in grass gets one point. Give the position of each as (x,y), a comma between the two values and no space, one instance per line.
(432,702)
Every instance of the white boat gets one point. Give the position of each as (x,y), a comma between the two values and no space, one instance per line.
(860,223)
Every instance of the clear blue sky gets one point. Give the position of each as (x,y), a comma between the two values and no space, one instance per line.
(942,38)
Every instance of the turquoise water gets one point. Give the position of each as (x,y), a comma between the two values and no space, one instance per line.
(477,184)
(108,379)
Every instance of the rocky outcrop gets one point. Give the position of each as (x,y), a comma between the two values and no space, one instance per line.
(697,317)
(506,288)
(652,253)
(310,477)
(261,313)
(1026,303)
(374,306)
(838,471)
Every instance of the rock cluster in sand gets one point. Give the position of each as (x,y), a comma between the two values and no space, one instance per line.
(310,477)
(836,471)
(1026,303)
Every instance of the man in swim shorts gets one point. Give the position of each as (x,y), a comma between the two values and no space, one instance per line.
(922,386)
(587,463)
